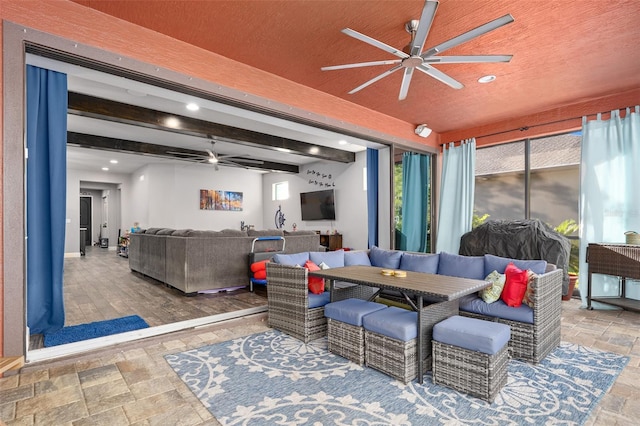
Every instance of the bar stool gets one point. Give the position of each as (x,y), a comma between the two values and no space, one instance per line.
(345,334)
(471,355)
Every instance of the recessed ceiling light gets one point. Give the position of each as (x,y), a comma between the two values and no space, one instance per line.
(106,169)
(487,79)
(172,122)
(342,142)
(192,107)
(282,149)
(113,161)
(314,150)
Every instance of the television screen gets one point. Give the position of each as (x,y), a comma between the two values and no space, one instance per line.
(318,205)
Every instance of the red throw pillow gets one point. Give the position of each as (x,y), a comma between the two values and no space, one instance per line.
(316,284)
(259,266)
(515,285)
(260,275)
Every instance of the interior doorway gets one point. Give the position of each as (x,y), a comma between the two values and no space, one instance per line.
(85,221)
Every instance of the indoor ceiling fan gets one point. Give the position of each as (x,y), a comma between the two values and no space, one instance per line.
(212,157)
(415,57)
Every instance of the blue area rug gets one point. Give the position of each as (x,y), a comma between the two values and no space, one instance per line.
(77,333)
(271,378)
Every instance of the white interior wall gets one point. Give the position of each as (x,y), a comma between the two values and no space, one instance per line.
(350,199)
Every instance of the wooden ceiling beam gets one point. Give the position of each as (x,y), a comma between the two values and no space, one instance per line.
(104,109)
(162,151)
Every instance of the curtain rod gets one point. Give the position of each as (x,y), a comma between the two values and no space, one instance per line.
(525,128)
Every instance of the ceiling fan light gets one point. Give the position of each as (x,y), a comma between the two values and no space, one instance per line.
(423,131)
(213,159)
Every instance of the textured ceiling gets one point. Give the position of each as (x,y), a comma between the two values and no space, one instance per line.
(563,51)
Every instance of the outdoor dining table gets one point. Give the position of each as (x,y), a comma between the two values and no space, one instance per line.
(436,296)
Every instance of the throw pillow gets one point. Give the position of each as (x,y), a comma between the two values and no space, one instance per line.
(529,295)
(383,258)
(427,263)
(315,284)
(324,266)
(492,294)
(259,266)
(356,258)
(515,285)
(260,275)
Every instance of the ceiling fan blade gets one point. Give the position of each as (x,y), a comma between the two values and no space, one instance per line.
(426,19)
(361,64)
(440,76)
(231,159)
(467,59)
(464,37)
(406,81)
(373,80)
(375,43)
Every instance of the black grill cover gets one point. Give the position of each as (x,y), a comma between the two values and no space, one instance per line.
(519,239)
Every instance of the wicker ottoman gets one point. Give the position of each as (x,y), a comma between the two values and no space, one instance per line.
(471,355)
(345,334)
(390,340)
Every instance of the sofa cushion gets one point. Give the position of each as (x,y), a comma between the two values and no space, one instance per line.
(472,303)
(334,259)
(497,263)
(318,300)
(202,234)
(427,263)
(393,322)
(232,233)
(294,233)
(385,258)
(455,265)
(153,230)
(492,293)
(356,258)
(515,285)
(351,311)
(472,334)
(181,232)
(165,231)
(291,259)
(265,233)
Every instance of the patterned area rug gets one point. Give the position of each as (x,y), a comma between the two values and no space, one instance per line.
(271,378)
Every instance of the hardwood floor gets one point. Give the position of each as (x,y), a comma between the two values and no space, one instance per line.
(100,286)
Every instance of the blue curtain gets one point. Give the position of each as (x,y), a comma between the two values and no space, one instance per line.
(372,196)
(455,215)
(415,192)
(46,197)
(609,195)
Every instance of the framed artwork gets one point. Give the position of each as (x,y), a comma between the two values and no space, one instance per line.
(211,199)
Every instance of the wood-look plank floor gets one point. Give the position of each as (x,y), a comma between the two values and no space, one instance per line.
(100,286)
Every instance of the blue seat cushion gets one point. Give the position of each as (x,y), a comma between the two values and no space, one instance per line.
(427,263)
(333,259)
(497,263)
(291,259)
(356,258)
(318,300)
(385,258)
(474,334)
(397,323)
(351,311)
(472,303)
(455,265)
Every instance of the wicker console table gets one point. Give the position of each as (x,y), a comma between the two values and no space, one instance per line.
(622,260)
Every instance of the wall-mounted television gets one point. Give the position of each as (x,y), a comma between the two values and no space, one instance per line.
(318,205)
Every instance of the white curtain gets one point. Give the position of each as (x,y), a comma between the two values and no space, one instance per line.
(457,188)
(609,191)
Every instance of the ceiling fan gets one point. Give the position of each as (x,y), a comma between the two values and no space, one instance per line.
(212,157)
(415,57)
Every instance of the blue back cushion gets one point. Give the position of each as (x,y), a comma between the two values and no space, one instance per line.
(496,263)
(455,265)
(333,259)
(427,263)
(291,259)
(385,258)
(356,258)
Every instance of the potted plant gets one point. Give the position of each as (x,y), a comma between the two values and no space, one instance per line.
(567,228)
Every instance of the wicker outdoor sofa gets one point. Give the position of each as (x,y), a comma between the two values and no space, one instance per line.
(535,330)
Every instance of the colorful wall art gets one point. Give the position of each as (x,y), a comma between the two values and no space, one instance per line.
(220,200)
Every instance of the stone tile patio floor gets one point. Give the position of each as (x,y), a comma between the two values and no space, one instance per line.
(131,384)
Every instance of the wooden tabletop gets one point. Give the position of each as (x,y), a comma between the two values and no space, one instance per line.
(440,287)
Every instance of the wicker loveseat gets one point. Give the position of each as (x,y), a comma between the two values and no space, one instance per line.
(535,330)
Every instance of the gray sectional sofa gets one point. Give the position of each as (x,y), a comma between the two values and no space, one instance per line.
(194,261)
